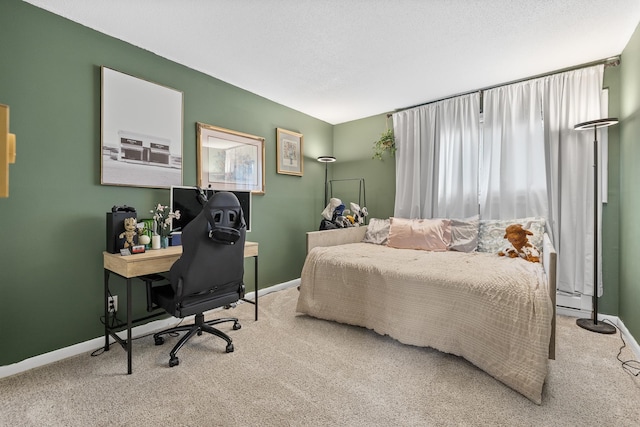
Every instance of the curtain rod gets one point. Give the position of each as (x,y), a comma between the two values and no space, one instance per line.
(613,61)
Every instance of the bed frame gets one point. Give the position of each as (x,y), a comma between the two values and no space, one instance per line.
(356,234)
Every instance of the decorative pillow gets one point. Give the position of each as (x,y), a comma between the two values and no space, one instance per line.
(377,231)
(491,233)
(464,234)
(425,234)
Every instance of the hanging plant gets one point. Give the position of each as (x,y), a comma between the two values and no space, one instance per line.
(387,142)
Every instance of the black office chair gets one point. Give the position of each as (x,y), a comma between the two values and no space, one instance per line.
(208,275)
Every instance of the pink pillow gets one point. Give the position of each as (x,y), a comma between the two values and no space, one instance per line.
(425,234)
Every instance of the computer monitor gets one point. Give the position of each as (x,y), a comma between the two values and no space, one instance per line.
(190,201)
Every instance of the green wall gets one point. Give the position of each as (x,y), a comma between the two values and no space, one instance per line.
(53,223)
(629,190)
(353,149)
(608,302)
(54,220)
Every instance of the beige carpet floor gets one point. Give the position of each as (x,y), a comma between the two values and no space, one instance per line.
(294,370)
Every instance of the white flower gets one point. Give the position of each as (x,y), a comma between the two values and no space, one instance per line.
(162,217)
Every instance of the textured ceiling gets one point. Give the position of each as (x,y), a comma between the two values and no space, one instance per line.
(341,60)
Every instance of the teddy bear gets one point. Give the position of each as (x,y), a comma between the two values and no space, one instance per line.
(130,233)
(520,246)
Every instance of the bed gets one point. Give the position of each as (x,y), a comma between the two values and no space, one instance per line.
(496,312)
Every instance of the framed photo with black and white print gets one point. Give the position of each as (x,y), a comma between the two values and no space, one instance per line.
(141,132)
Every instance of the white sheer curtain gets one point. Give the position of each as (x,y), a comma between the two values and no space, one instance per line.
(437,159)
(513,182)
(572,98)
(532,162)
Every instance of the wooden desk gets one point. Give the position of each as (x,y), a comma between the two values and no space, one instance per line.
(150,262)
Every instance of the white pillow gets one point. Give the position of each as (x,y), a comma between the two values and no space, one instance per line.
(464,234)
(377,231)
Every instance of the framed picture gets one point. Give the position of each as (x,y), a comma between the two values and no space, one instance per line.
(289,152)
(141,132)
(229,160)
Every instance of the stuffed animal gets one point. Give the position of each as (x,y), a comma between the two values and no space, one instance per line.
(130,233)
(336,216)
(342,221)
(358,213)
(329,211)
(520,246)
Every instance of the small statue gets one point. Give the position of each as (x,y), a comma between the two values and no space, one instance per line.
(131,232)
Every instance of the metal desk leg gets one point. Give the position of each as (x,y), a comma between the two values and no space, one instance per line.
(256,285)
(129,346)
(106,310)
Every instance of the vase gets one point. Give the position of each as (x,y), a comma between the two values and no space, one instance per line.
(155,241)
(164,242)
(145,240)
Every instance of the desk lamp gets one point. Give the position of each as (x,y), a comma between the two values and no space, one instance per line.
(326,160)
(592,324)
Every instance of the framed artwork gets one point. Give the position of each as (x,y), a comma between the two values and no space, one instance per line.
(289,152)
(141,132)
(229,160)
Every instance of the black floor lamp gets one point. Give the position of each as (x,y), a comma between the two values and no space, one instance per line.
(593,324)
(326,160)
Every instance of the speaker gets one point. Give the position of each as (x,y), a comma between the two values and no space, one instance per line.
(115,227)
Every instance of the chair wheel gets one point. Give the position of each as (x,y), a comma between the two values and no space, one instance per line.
(236,326)
(174,362)
(158,340)
(229,348)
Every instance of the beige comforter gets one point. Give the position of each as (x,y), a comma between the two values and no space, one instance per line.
(493,311)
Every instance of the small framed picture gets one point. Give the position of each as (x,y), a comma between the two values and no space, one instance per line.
(289,151)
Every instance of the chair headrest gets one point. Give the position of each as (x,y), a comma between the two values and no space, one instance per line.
(224,214)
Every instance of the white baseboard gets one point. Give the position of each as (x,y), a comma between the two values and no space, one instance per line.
(274,288)
(158,325)
(626,335)
(96,343)
(80,348)
(628,338)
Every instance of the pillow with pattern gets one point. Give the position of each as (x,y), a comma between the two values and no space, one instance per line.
(377,231)
(491,232)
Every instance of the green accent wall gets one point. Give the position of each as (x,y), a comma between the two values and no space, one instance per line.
(608,302)
(353,149)
(629,300)
(53,223)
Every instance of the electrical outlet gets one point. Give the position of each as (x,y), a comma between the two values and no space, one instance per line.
(112,303)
